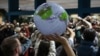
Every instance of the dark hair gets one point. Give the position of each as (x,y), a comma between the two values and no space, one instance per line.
(82,29)
(43,48)
(89,34)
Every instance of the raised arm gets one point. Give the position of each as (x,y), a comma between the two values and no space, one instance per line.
(71,32)
(88,24)
(64,43)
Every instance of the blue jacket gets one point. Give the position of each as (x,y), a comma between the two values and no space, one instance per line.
(26,46)
(86,48)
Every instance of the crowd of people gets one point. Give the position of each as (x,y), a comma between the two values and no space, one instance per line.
(81,38)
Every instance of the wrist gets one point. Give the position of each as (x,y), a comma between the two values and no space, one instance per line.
(64,42)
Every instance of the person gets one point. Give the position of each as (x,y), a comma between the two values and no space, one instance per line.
(71,36)
(12,46)
(25,29)
(86,47)
(64,42)
(40,44)
(81,24)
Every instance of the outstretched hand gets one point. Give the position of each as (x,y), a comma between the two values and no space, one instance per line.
(54,37)
(60,39)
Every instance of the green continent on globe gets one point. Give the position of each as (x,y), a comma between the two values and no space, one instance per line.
(45,13)
(63,16)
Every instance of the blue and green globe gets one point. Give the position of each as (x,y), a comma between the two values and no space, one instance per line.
(51,18)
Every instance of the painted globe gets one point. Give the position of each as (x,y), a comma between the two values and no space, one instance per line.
(51,18)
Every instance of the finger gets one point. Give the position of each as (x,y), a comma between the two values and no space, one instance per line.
(50,37)
(57,36)
(41,37)
(54,38)
(46,38)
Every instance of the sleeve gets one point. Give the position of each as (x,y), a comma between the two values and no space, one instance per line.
(93,51)
(71,41)
(52,50)
(26,45)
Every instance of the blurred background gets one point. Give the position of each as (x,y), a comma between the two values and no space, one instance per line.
(24,9)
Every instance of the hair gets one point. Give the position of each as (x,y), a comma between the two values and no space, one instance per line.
(43,48)
(82,29)
(9,45)
(89,34)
